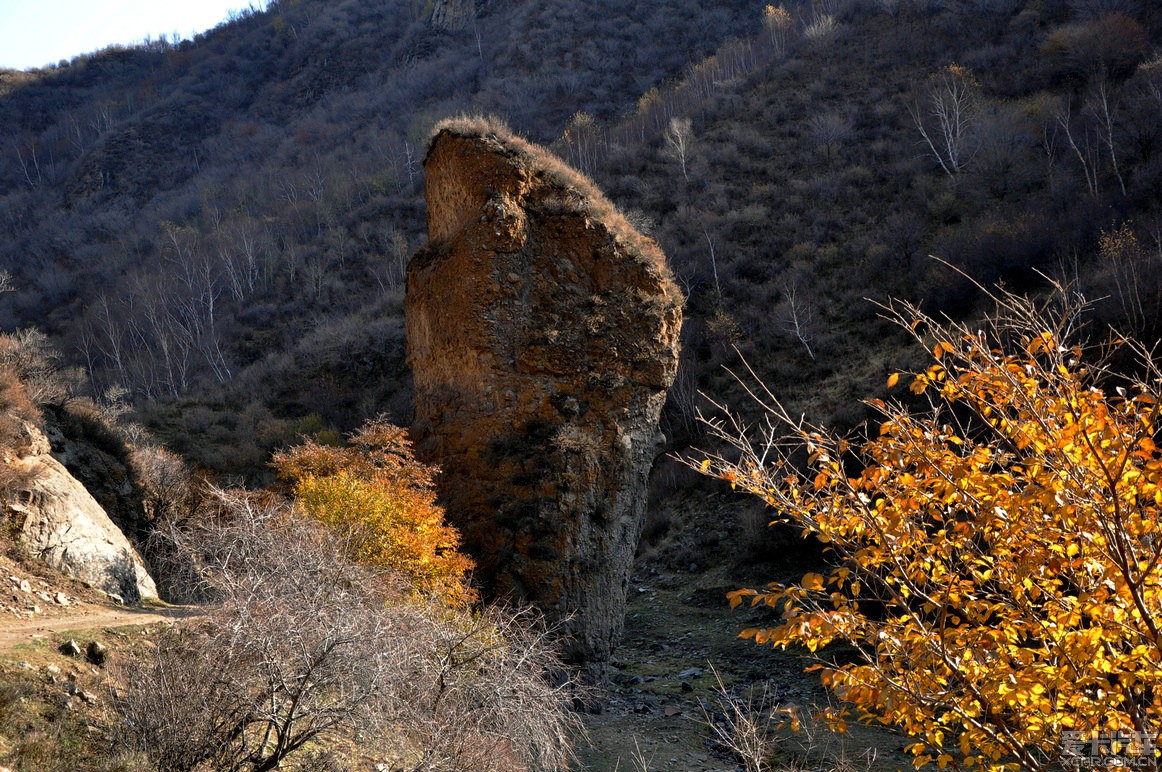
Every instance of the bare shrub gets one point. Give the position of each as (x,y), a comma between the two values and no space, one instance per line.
(746,723)
(304,648)
(481,700)
(170,498)
(17,412)
(290,654)
(16,408)
(166,482)
(638,760)
(36,362)
(743,724)
(830,130)
(821,28)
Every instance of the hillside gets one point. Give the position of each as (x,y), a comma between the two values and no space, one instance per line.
(177,215)
(219,229)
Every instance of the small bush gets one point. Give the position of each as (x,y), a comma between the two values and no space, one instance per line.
(16,409)
(382,504)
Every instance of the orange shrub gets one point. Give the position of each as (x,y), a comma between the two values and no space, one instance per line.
(382,502)
(998,560)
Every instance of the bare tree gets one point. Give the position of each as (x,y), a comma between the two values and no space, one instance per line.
(681,416)
(390,271)
(1105,108)
(946,117)
(1002,145)
(584,142)
(679,137)
(1131,270)
(829,130)
(713,265)
(797,317)
(1081,143)
(779,26)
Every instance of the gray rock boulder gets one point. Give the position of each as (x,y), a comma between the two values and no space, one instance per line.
(62,525)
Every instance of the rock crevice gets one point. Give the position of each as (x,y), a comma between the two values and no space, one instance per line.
(542,337)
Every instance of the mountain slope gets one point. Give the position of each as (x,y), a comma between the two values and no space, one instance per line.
(221,227)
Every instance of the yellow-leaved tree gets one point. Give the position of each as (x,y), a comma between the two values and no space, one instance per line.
(997,554)
(382,503)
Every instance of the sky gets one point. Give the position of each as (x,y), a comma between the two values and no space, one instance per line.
(34,33)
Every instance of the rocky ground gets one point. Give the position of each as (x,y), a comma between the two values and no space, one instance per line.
(37,602)
(680,631)
(57,641)
(31,594)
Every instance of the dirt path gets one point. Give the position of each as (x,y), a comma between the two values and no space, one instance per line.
(16,632)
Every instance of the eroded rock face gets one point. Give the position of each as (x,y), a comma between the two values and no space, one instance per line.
(542,335)
(453,14)
(64,526)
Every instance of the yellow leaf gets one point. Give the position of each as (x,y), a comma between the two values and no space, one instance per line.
(893,379)
(813,582)
(704,467)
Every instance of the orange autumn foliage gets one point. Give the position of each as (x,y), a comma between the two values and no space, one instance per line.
(382,503)
(997,555)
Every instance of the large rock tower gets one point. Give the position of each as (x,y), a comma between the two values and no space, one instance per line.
(542,336)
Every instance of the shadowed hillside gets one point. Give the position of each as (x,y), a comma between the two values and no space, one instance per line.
(220,229)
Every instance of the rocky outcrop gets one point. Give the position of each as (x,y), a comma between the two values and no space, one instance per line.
(453,15)
(61,524)
(542,336)
(93,453)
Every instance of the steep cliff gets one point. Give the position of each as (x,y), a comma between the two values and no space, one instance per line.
(542,336)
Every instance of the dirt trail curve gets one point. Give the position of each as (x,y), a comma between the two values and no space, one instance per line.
(16,632)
